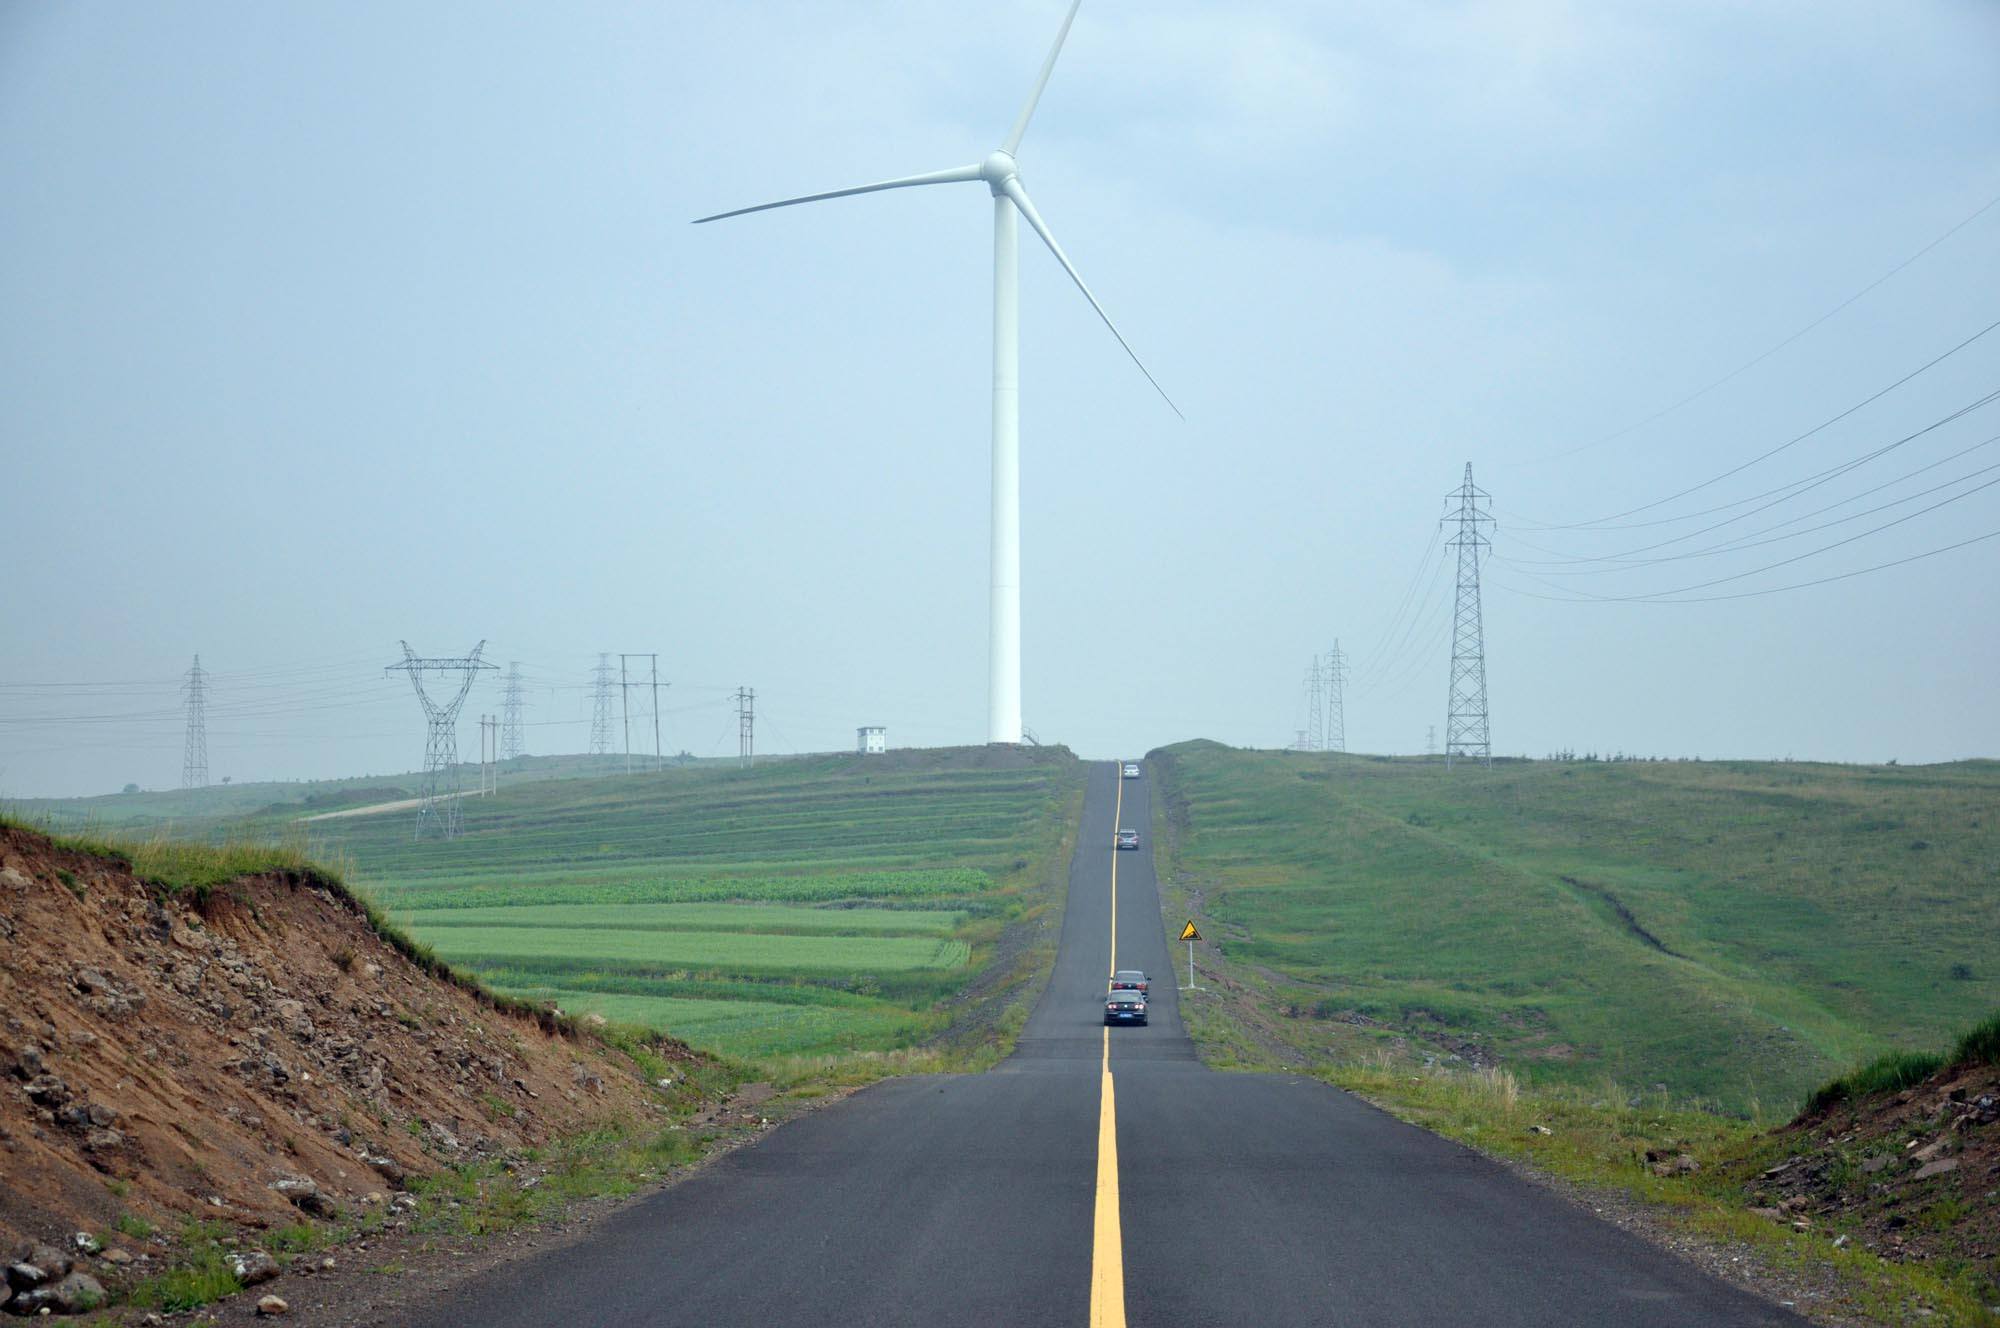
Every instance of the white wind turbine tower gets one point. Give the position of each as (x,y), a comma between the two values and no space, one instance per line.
(1001,173)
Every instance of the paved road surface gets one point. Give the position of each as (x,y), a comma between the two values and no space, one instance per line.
(1098,1178)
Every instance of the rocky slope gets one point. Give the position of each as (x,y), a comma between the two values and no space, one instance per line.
(258,1056)
(1912,1175)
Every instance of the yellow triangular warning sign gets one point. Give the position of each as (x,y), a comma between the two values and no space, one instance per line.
(1188,933)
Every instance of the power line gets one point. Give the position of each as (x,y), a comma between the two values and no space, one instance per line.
(1784,493)
(1769,590)
(1604,521)
(1673,595)
(1741,543)
(1744,368)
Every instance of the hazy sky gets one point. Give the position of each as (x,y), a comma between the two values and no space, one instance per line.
(325,326)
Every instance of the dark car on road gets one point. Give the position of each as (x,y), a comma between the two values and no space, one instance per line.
(1125,1007)
(1128,839)
(1130,979)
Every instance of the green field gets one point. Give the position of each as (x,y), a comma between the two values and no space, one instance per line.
(1731,930)
(774,919)
(593,947)
(805,907)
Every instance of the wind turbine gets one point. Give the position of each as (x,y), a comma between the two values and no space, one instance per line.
(1000,172)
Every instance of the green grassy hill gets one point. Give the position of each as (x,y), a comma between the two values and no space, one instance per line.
(186,809)
(807,907)
(1730,930)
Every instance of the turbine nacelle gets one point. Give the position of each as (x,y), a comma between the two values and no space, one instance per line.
(998,168)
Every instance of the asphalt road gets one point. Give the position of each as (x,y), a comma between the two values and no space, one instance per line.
(1107,1178)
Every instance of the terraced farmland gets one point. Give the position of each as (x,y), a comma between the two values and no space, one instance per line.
(801,908)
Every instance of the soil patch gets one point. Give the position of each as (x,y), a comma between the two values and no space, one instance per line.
(259,1056)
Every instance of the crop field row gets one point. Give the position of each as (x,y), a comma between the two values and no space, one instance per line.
(627,886)
(701,951)
(748,1028)
(767,919)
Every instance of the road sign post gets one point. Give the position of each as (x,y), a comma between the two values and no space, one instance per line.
(1190,935)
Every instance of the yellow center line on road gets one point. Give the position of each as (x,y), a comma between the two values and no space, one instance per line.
(1107,1251)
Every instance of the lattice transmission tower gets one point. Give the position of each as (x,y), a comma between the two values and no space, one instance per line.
(1467,735)
(194,754)
(746,725)
(510,713)
(600,710)
(1335,674)
(1315,739)
(439,813)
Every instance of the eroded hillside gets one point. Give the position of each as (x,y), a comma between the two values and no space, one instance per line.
(250,1053)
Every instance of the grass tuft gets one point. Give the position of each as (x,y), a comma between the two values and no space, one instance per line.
(1885,1074)
(1981,1044)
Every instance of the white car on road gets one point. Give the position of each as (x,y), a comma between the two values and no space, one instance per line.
(1131,770)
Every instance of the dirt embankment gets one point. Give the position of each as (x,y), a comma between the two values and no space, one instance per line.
(1913,1175)
(257,1055)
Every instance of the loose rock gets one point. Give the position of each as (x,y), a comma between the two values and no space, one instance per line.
(253,1266)
(75,1294)
(270,1307)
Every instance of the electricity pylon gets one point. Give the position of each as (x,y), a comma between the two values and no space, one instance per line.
(600,710)
(1335,674)
(194,755)
(1315,715)
(439,812)
(1467,735)
(746,725)
(510,709)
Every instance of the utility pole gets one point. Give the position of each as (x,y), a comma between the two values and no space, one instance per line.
(510,745)
(600,710)
(1467,735)
(194,753)
(746,725)
(653,662)
(1315,717)
(439,812)
(1336,704)
(485,745)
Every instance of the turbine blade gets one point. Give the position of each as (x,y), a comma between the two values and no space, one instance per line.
(952,176)
(1012,188)
(1048,67)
